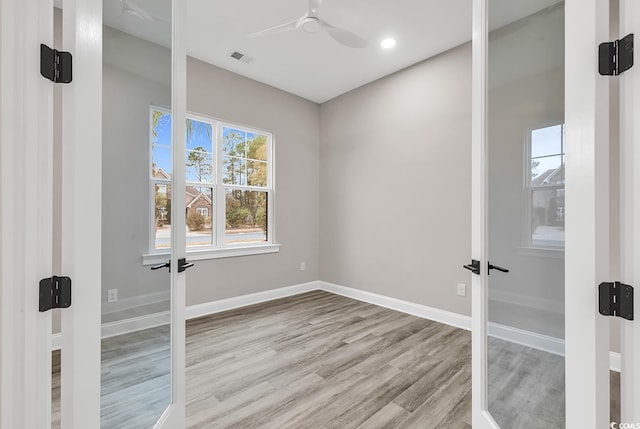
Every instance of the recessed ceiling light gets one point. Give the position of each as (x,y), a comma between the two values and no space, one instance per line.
(388,43)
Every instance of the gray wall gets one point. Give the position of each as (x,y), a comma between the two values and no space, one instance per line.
(395,174)
(383,204)
(136,74)
(295,124)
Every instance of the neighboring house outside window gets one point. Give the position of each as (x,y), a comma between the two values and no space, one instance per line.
(544,187)
(228,197)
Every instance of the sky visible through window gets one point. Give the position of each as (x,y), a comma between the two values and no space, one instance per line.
(200,136)
(545,143)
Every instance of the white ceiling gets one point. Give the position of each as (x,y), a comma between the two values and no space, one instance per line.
(314,66)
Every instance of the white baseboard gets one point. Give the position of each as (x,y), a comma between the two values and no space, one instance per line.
(134,324)
(533,302)
(200,310)
(527,338)
(519,336)
(435,314)
(135,301)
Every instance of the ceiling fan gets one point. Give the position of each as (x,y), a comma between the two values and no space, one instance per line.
(133,9)
(310,22)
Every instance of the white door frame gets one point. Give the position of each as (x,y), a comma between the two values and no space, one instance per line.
(26,190)
(175,415)
(587,220)
(81,218)
(479,376)
(629,215)
(26,124)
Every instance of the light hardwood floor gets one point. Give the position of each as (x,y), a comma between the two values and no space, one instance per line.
(319,360)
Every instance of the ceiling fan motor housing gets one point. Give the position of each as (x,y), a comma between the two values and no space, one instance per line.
(311,24)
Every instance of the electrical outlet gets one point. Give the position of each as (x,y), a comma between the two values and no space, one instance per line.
(112,295)
(462,289)
(303,266)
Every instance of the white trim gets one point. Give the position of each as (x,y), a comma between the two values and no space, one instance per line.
(218,189)
(435,314)
(200,310)
(534,302)
(534,340)
(200,255)
(134,324)
(587,220)
(135,301)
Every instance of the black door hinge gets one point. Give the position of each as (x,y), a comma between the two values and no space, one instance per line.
(615,58)
(616,299)
(55,292)
(55,65)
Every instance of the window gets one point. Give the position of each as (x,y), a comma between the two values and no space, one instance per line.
(545,187)
(228,193)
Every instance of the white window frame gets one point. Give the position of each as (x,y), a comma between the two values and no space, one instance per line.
(218,248)
(529,247)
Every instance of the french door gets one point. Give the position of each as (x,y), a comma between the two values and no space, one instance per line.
(541,215)
(122,338)
(629,20)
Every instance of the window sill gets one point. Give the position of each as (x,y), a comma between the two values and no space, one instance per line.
(201,255)
(541,252)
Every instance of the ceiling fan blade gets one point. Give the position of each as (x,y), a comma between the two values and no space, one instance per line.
(314,5)
(345,37)
(277,29)
(137,11)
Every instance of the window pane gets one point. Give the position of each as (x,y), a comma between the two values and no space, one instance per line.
(234,171)
(256,146)
(162,216)
(234,142)
(199,208)
(257,173)
(546,141)
(199,135)
(161,162)
(199,165)
(547,171)
(547,217)
(160,128)
(246,216)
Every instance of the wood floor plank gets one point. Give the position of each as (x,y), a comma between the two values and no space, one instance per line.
(322,361)
(387,417)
